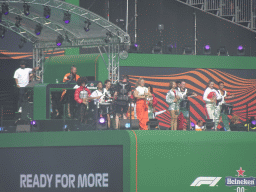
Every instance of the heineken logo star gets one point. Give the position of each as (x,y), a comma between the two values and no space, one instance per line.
(240,172)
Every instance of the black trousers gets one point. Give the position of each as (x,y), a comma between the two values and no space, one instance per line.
(22,91)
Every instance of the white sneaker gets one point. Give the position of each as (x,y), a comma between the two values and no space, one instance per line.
(20,110)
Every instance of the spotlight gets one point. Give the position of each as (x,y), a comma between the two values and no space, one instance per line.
(33,123)
(22,42)
(157,50)
(102,120)
(207,50)
(170,48)
(188,51)
(47,12)
(222,51)
(26,9)
(240,50)
(38,29)
(193,126)
(59,40)
(67,17)
(134,48)
(18,19)
(1,16)
(2,32)
(87,25)
(5,9)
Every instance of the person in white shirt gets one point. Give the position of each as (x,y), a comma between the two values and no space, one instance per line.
(21,77)
(210,97)
(97,94)
(173,97)
(141,93)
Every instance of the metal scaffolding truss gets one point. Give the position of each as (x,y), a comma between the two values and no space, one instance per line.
(102,34)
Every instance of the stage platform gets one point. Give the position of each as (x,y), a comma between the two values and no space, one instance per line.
(129,161)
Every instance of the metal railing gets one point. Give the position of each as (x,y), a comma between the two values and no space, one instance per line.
(242,12)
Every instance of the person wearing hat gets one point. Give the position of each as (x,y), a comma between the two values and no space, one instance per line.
(21,77)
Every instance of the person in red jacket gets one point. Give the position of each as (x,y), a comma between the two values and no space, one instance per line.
(82,97)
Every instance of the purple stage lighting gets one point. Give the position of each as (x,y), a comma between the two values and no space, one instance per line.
(192,124)
(102,120)
(33,122)
(207,47)
(136,45)
(253,122)
(67,21)
(240,47)
(38,33)
(47,16)
(58,44)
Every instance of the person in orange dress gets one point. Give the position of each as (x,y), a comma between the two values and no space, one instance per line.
(141,93)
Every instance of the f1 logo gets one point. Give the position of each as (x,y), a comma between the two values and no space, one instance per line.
(211,181)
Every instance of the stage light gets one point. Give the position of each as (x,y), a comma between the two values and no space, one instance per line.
(1,16)
(207,50)
(47,12)
(5,9)
(26,9)
(222,51)
(67,17)
(108,37)
(87,25)
(188,51)
(18,19)
(240,50)
(33,123)
(253,123)
(134,48)
(38,29)
(102,120)
(193,126)
(59,40)
(22,42)
(157,50)
(170,48)
(2,32)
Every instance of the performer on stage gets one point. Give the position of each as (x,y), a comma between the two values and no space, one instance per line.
(96,95)
(184,111)
(82,97)
(224,95)
(210,97)
(141,94)
(21,77)
(151,102)
(71,77)
(172,98)
(122,94)
(107,96)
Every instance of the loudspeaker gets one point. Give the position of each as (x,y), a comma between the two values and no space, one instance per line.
(126,124)
(153,124)
(54,125)
(102,126)
(209,124)
(27,111)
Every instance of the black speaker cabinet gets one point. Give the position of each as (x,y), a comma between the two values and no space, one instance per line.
(27,111)
(126,124)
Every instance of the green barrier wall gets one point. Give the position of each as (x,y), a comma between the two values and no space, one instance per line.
(57,67)
(162,160)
